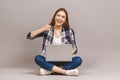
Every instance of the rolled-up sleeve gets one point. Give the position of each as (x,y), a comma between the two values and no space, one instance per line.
(39,35)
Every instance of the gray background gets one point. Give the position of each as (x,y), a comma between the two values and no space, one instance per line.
(96,24)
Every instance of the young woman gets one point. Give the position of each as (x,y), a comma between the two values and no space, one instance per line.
(57,32)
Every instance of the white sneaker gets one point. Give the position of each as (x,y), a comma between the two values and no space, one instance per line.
(73,72)
(44,71)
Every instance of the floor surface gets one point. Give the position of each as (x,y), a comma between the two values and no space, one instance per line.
(31,74)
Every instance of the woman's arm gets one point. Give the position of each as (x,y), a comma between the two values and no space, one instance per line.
(73,42)
(40,31)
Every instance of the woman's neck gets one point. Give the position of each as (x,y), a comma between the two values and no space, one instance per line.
(57,31)
(57,28)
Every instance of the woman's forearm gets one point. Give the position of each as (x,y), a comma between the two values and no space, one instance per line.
(36,32)
(40,30)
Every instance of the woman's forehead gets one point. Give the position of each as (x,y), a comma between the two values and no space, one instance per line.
(61,13)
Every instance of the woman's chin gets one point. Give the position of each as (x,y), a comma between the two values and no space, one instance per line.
(58,24)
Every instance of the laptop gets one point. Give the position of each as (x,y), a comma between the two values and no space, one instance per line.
(60,53)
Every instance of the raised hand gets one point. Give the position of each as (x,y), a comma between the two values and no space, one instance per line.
(47,27)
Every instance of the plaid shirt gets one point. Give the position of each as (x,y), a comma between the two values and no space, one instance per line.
(67,37)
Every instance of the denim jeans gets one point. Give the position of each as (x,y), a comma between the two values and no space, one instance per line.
(41,61)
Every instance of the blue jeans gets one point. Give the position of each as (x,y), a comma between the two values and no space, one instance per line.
(41,61)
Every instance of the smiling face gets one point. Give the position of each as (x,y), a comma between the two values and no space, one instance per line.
(60,18)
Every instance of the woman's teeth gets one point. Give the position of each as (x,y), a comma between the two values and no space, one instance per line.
(59,21)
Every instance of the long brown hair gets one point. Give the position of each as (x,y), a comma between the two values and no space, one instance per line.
(66,23)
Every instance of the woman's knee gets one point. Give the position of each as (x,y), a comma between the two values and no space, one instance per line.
(39,59)
(77,60)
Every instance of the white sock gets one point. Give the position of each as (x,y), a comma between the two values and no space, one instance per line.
(44,71)
(72,72)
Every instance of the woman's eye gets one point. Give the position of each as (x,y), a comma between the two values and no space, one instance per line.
(63,16)
(58,15)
